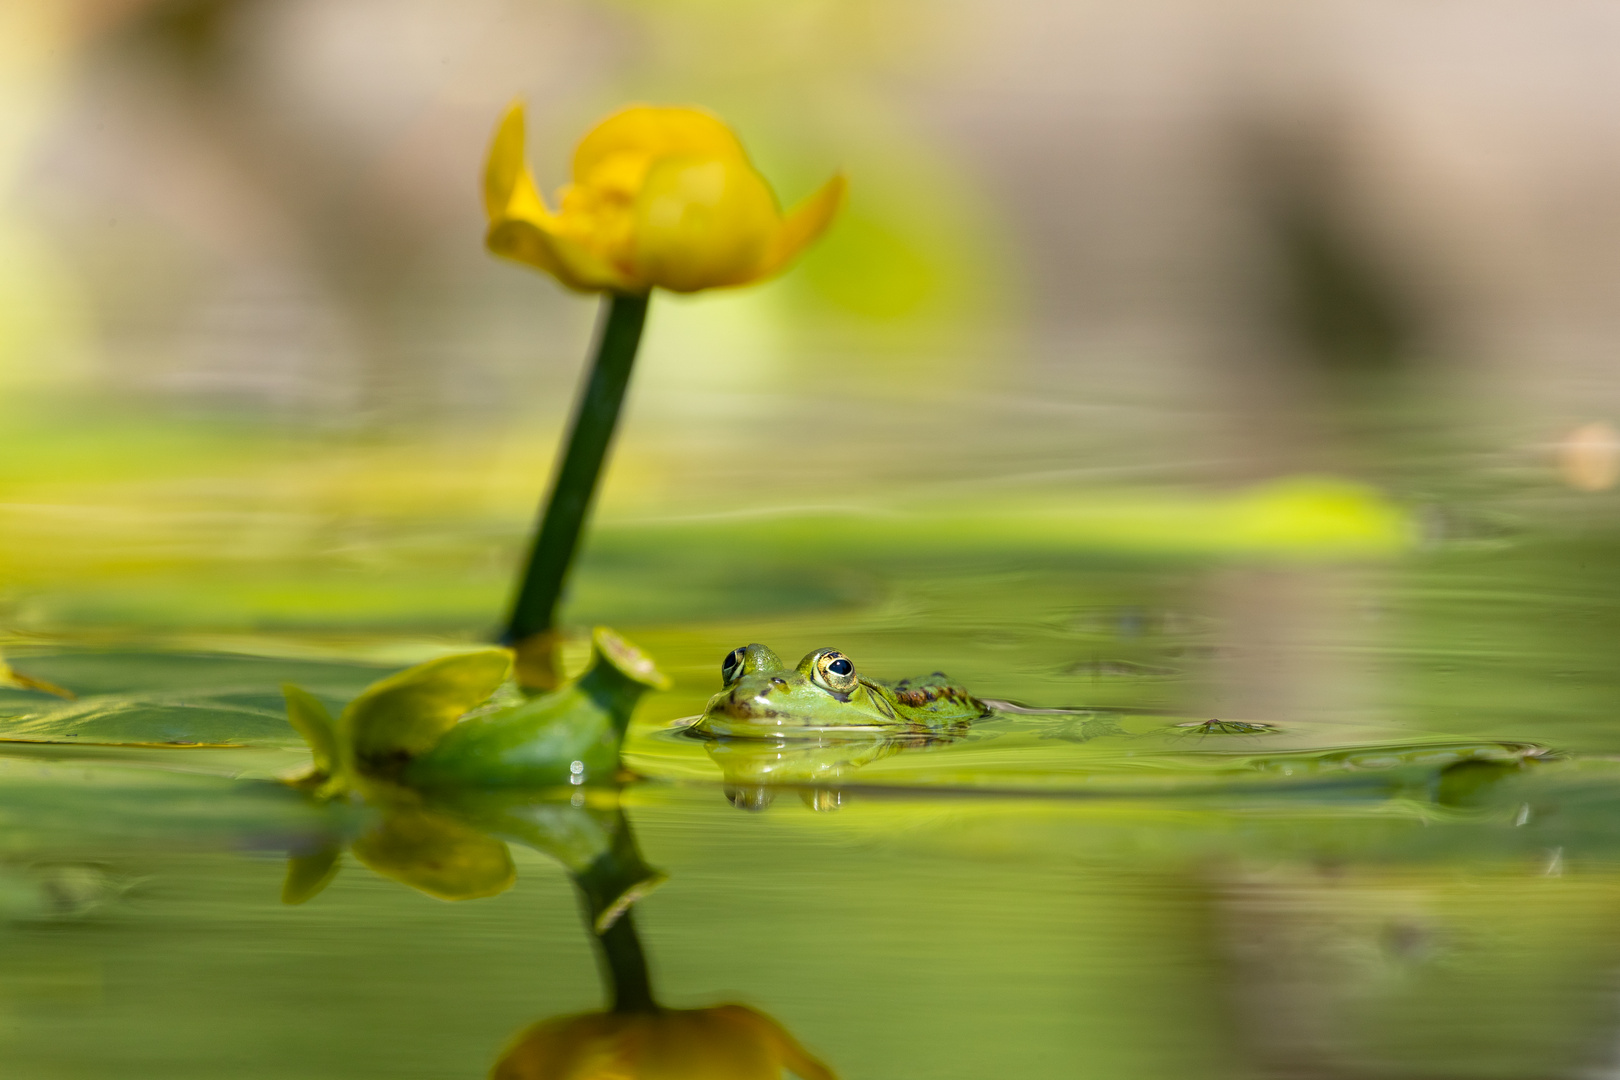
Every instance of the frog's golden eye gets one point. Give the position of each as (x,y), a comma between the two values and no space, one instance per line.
(732,666)
(835,671)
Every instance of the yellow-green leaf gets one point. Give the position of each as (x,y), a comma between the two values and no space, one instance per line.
(436,855)
(16,680)
(309,873)
(405,714)
(308,715)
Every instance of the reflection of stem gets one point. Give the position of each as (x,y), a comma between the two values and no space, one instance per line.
(626,967)
(534,611)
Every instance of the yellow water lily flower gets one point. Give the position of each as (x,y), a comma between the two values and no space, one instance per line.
(728,1042)
(661,196)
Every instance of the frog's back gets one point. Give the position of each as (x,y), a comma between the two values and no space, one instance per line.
(933,700)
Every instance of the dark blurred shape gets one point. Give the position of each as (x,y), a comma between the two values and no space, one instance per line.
(1471,783)
(1335,294)
(1348,314)
(192,32)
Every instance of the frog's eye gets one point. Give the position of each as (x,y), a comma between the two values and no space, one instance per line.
(836,671)
(732,666)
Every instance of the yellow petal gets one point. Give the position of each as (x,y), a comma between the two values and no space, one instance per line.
(584,263)
(553,1049)
(655,131)
(783,1046)
(803,224)
(505,166)
(704,1044)
(526,242)
(725,1043)
(545,246)
(525,203)
(523,228)
(701,223)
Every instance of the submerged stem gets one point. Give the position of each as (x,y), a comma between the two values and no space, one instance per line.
(626,967)
(534,610)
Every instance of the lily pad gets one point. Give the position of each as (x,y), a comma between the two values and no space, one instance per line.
(156,720)
(155,699)
(56,806)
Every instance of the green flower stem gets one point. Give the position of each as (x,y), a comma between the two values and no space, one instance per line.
(534,611)
(626,967)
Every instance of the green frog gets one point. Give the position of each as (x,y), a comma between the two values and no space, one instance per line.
(763,697)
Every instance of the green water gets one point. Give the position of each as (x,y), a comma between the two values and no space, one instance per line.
(1408,867)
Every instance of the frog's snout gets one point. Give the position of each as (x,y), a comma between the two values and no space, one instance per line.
(743,706)
(750,699)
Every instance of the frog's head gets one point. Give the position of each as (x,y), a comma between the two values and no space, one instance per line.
(748,660)
(764,697)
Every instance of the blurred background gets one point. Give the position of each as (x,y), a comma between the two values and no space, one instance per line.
(258,376)
(1173,359)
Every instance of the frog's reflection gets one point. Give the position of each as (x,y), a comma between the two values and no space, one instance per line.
(755,770)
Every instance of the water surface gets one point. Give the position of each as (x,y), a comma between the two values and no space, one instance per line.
(1404,863)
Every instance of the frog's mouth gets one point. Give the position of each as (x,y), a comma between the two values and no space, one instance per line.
(738,712)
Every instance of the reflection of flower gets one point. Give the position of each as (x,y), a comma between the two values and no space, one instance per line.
(413,845)
(660,197)
(728,1042)
(454,848)
(436,855)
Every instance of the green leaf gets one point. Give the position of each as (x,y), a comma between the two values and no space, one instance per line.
(309,873)
(405,714)
(436,855)
(151,698)
(177,719)
(308,715)
(13,679)
(628,660)
(74,800)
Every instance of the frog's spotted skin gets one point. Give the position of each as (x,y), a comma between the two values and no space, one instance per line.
(825,694)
